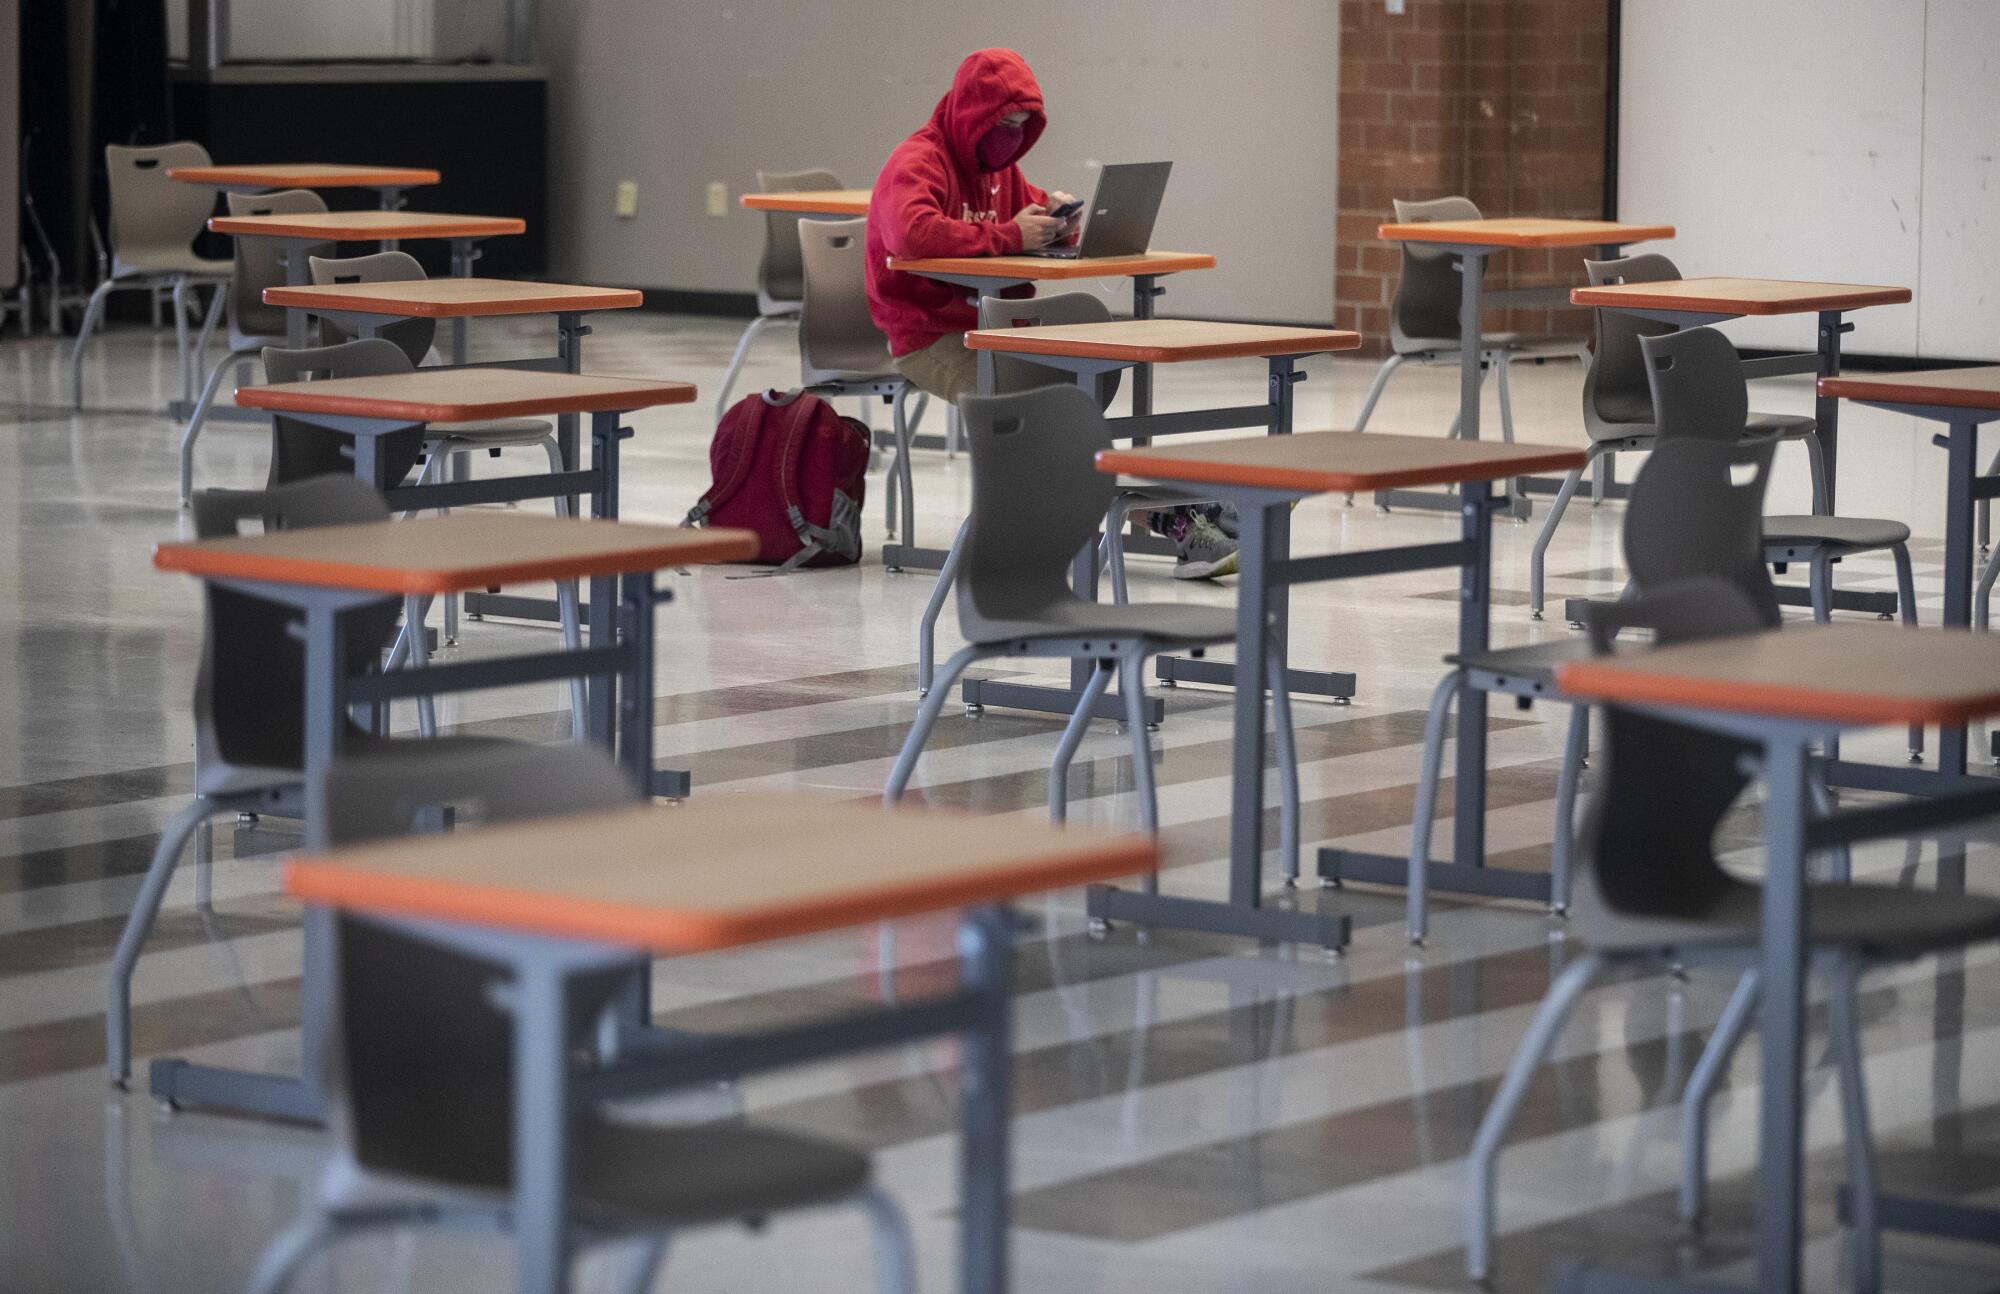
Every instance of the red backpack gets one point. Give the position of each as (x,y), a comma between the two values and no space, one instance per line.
(790,468)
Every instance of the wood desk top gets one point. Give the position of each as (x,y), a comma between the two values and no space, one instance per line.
(1162,341)
(453,298)
(1522,231)
(1958,388)
(1731,296)
(470,549)
(1839,673)
(1055,269)
(367,226)
(813,202)
(465,395)
(720,871)
(1336,462)
(305,175)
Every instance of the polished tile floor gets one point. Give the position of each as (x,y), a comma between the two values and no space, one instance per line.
(1194,1115)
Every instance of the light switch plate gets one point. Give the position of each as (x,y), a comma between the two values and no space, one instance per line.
(718,198)
(627,202)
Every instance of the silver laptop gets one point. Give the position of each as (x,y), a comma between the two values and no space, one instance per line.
(1118,219)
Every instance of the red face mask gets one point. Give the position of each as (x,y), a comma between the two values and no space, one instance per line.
(998,147)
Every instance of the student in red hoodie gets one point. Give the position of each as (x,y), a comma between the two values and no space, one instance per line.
(955,188)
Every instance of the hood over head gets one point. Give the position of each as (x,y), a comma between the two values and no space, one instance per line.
(990,83)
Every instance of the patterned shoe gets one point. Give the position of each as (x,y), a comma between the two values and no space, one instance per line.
(1205,553)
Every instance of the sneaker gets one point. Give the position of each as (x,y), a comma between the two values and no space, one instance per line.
(1205,553)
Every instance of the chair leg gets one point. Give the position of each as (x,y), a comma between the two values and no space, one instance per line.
(1816,461)
(197,419)
(1844,1025)
(927,629)
(181,337)
(91,311)
(209,319)
(1824,805)
(1906,603)
(647,1257)
(1821,582)
(954,432)
(1113,548)
(138,925)
(1389,365)
(895,1254)
(1285,742)
(284,1257)
(1502,361)
(1983,595)
(1132,687)
(1575,750)
(1730,1027)
(920,731)
(1416,892)
(1986,509)
(1538,558)
(1072,737)
(1482,1165)
(414,610)
(730,374)
(906,471)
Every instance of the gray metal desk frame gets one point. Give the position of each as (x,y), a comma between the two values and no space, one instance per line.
(547,1088)
(1268,570)
(618,662)
(907,555)
(1275,416)
(1823,360)
(1473,299)
(1791,832)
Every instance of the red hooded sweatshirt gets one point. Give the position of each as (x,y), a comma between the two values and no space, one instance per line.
(935,198)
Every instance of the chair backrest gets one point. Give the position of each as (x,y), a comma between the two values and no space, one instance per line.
(781,276)
(1037,498)
(1617,401)
(1648,838)
(414,336)
(250,685)
(1011,373)
(1425,310)
(1697,512)
(152,215)
(837,336)
(1697,385)
(260,264)
(421,1083)
(300,450)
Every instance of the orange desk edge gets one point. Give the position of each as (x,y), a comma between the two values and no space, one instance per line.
(1687,294)
(350,226)
(830,201)
(313,175)
(1975,388)
(1535,231)
(1135,462)
(1624,681)
(291,397)
(454,298)
(1306,342)
(1055,267)
(670,930)
(685,547)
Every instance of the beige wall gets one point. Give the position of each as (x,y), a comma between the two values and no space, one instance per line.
(1240,96)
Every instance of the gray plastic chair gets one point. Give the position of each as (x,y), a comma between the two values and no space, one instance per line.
(1011,374)
(781,278)
(260,264)
(1652,893)
(419,1065)
(1685,519)
(1618,410)
(1424,322)
(842,352)
(249,700)
(1698,389)
(1037,500)
(154,222)
(301,450)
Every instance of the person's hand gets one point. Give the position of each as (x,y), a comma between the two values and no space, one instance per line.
(1057,201)
(1038,227)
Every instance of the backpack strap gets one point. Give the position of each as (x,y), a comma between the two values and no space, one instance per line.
(736,468)
(817,539)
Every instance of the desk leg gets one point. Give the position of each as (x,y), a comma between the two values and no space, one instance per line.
(1784,963)
(541,1130)
(298,273)
(1145,290)
(463,254)
(986,960)
(1961,469)
(1475,599)
(390,198)
(604,433)
(1826,409)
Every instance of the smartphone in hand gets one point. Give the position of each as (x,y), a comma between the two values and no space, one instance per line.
(1068,209)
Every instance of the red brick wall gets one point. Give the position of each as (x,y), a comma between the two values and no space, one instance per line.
(1499,100)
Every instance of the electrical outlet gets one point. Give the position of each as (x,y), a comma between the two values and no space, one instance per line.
(628,199)
(1393,6)
(718,198)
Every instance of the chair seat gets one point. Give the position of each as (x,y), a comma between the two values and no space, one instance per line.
(1846,532)
(1554,343)
(1785,426)
(1878,921)
(1621,416)
(1532,661)
(711,1173)
(494,432)
(219,779)
(1166,622)
(166,261)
